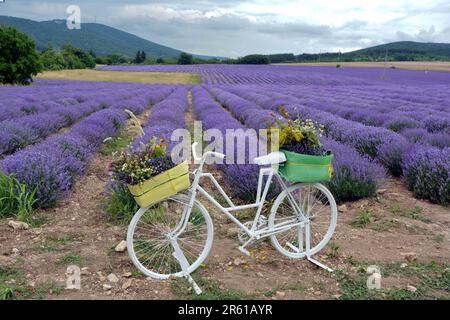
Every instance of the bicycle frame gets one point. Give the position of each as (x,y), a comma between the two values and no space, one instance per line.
(254,233)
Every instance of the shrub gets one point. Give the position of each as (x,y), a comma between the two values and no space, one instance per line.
(355,176)
(427,173)
(439,139)
(414,134)
(399,123)
(390,155)
(119,203)
(51,166)
(41,171)
(52,60)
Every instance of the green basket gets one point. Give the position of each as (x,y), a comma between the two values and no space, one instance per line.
(306,168)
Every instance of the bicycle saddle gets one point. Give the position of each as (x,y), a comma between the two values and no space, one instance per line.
(270,159)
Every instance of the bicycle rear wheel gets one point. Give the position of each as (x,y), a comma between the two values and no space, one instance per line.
(151,245)
(317,205)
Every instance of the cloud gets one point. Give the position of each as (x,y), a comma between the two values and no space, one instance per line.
(239,27)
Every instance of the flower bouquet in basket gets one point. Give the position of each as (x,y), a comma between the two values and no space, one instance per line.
(307,159)
(150,173)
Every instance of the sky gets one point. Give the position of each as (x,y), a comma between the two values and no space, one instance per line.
(235,28)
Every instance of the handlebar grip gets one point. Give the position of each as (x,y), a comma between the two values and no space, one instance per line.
(218,155)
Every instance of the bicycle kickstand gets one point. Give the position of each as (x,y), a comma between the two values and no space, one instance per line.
(179,255)
(308,247)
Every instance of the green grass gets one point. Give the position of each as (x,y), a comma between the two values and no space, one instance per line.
(439,238)
(415,213)
(116,144)
(362,220)
(69,258)
(119,204)
(15,199)
(55,244)
(295,286)
(211,290)
(334,249)
(6,293)
(47,287)
(385,225)
(18,289)
(432,281)
(8,273)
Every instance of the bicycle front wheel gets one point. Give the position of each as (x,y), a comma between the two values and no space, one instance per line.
(317,205)
(150,241)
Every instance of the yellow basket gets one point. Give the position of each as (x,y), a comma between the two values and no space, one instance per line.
(162,186)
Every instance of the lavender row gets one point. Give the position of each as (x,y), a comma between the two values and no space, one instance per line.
(16,102)
(427,173)
(415,122)
(356,176)
(166,116)
(298,75)
(51,167)
(426,168)
(378,143)
(24,131)
(243,178)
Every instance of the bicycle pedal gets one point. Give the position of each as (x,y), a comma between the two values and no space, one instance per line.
(244,251)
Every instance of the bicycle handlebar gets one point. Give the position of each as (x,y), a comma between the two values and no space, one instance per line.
(206,154)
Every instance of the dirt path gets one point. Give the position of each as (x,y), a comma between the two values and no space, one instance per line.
(396,232)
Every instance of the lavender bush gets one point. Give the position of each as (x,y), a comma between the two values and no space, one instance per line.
(427,173)
(51,166)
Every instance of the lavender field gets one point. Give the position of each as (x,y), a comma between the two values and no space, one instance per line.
(378,123)
(388,129)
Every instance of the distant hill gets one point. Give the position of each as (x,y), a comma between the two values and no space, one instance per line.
(396,51)
(99,38)
(425,48)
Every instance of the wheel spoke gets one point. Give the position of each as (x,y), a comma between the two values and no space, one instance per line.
(152,246)
(316,207)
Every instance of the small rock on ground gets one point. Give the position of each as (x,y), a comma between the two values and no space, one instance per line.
(112,278)
(107,287)
(121,247)
(411,288)
(18,225)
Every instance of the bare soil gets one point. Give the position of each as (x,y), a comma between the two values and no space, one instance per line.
(403,236)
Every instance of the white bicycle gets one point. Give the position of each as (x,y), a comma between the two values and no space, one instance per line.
(174,237)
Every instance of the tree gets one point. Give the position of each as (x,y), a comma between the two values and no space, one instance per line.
(143,56)
(137,58)
(160,61)
(140,57)
(19,60)
(76,58)
(185,58)
(254,59)
(113,59)
(52,59)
